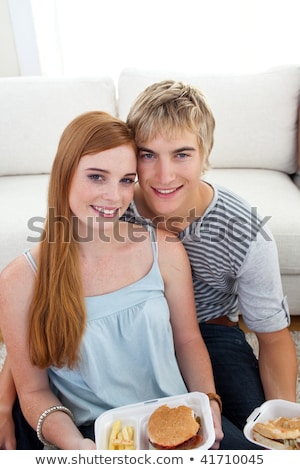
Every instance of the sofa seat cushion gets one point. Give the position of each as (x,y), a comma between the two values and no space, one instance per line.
(274,195)
(23,208)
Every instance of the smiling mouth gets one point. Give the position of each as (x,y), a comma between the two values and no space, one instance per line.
(166,192)
(106,212)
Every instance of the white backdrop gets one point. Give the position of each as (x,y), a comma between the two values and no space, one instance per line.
(96,37)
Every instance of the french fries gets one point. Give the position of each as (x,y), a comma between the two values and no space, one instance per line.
(121,439)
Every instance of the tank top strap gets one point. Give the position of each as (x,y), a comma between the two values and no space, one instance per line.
(153,238)
(30,260)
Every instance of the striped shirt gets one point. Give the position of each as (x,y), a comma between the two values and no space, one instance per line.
(234,263)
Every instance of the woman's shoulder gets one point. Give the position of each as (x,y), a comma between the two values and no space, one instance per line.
(12,268)
(170,247)
(17,270)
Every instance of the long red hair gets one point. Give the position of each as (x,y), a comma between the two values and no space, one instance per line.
(57,313)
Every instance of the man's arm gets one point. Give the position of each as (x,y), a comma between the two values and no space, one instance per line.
(278,364)
(265,311)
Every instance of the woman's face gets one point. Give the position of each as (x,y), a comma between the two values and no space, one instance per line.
(102,187)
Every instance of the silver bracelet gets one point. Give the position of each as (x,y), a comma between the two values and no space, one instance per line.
(44,415)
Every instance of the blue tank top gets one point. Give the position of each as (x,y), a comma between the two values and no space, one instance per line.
(127,352)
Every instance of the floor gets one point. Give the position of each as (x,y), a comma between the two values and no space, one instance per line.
(295,324)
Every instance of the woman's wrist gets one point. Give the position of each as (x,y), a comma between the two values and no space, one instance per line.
(44,415)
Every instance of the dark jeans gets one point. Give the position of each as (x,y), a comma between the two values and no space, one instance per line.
(235,371)
(234,438)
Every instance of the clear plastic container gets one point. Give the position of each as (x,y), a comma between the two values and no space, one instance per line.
(137,415)
(271,409)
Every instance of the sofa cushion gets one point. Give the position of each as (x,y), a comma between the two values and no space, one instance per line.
(23,208)
(256,114)
(35,111)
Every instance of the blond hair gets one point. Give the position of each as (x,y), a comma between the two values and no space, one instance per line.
(57,313)
(171,107)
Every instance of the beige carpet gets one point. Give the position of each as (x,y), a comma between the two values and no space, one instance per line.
(250,337)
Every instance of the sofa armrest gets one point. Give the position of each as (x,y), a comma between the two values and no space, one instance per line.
(296,176)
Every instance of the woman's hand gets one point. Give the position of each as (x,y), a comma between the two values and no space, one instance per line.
(86,444)
(216,415)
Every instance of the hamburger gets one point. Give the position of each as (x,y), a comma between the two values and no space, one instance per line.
(174,428)
(281,433)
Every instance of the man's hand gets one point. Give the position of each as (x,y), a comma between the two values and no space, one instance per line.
(216,415)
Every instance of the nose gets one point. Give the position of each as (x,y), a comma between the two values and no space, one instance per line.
(165,171)
(111,193)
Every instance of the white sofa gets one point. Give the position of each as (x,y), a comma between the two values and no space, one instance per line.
(256,150)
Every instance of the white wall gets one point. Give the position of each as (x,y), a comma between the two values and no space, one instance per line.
(96,37)
(25,36)
(9,64)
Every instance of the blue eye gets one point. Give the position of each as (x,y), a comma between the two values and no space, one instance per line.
(128,180)
(147,156)
(182,155)
(96,177)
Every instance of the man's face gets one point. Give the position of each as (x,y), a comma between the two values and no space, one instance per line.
(169,171)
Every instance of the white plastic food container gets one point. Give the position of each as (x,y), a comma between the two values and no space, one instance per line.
(271,409)
(137,415)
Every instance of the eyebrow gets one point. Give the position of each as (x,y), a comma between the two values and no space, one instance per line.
(107,172)
(181,149)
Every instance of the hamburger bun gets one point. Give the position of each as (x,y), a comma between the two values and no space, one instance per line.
(173,428)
